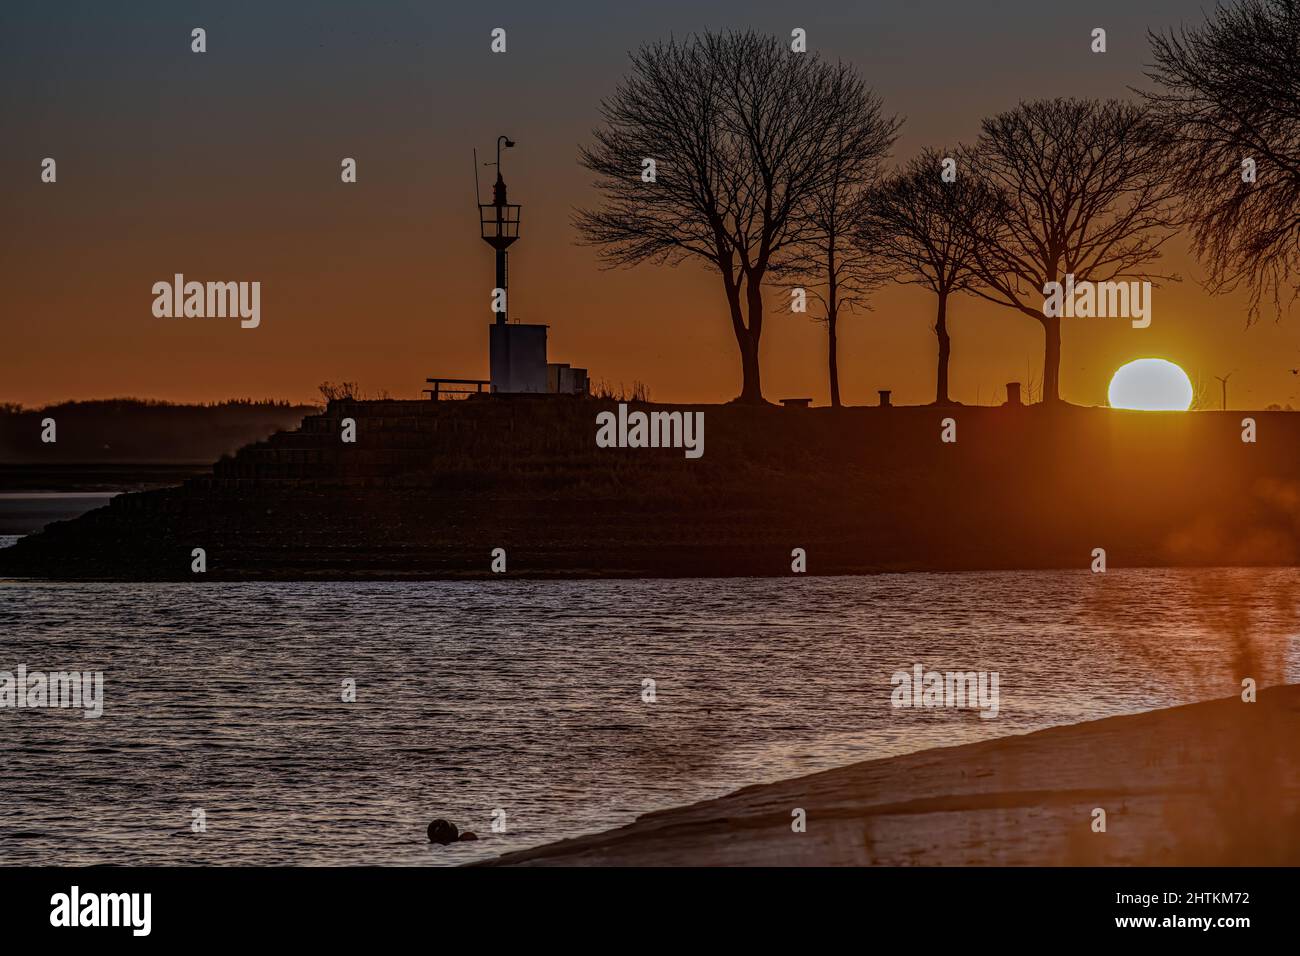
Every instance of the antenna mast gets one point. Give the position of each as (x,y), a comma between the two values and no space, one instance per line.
(478,196)
(498,222)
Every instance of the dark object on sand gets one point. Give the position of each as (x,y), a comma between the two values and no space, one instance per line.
(469,835)
(443,831)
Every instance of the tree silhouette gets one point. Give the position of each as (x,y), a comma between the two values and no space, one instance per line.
(744,133)
(925,230)
(1085,187)
(836,271)
(1230,92)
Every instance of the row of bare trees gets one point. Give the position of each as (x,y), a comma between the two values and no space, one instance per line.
(770,166)
(726,119)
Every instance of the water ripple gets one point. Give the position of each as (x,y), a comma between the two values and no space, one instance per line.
(527,696)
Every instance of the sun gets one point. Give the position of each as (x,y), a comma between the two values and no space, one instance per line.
(1151,385)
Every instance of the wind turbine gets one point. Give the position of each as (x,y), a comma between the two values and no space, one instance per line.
(1224,380)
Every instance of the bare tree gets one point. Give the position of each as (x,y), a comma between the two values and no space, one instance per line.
(743,133)
(1230,98)
(343,391)
(1085,192)
(925,230)
(834,269)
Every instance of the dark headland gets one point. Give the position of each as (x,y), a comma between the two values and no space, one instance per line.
(429,489)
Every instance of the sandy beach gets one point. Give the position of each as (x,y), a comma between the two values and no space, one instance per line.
(1206,784)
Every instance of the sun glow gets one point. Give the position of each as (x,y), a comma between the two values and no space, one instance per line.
(1152,385)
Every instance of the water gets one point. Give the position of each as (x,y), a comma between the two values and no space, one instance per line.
(23,512)
(527,697)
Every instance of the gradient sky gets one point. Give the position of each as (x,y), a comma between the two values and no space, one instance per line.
(225,166)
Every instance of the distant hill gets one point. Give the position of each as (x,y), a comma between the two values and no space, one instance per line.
(129,430)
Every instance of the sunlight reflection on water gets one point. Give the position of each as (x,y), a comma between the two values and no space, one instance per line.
(526,696)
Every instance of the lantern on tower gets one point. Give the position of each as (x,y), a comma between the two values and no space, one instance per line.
(499,226)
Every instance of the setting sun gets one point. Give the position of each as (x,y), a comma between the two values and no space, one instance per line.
(1152,385)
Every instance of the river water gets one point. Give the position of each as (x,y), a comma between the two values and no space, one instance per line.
(530,697)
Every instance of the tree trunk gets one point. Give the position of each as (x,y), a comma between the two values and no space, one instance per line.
(1052,359)
(832,314)
(834,362)
(751,389)
(747,336)
(945,349)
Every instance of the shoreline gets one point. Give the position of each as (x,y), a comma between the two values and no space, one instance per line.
(1215,783)
(566,574)
(34,496)
(35,478)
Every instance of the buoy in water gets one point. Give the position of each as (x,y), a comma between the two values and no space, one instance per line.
(443,832)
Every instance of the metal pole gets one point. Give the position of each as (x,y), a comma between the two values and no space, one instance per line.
(501,284)
(499,200)
(1224,380)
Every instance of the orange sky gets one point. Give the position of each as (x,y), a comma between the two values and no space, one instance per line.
(225,167)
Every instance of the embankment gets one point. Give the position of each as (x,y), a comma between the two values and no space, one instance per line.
(429,489)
